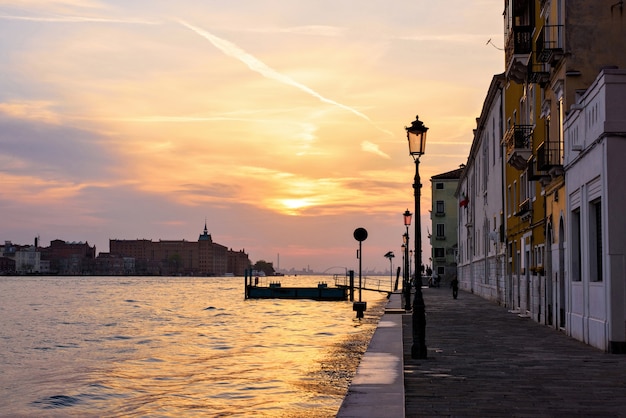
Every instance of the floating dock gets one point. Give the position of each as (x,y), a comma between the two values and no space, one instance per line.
(254,289)
(276,291)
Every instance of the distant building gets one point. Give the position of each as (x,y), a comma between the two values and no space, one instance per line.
(69,258)
(113,265)
(180,257)
(444,215)
(7,265)
(27,260)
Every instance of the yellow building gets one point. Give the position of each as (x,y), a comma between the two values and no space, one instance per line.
(554,50)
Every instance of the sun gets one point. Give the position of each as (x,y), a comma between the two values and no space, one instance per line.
(293,204)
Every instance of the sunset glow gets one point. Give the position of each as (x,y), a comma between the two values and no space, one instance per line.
(281,123)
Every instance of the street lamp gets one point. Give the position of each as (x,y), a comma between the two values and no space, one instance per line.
(416,135)
(406,290)
(407,275)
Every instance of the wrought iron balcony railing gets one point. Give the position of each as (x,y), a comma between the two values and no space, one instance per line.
(518,145)
(539,74)
(548,155)
(517,50)
(549,45)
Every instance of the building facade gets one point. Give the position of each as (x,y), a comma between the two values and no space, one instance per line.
(562,109)
(481,255)
(180,257)
(595,133)
(443,215)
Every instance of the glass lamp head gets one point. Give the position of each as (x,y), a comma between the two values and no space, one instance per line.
(407,217)
(416,135)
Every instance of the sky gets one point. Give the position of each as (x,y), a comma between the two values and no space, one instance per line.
(279,123)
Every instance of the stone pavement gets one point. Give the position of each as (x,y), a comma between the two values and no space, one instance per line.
(484,361)
(377,389)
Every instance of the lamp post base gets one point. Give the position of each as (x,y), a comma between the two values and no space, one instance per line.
(407,298)
(418,349)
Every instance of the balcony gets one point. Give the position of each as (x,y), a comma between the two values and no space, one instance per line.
(518,145)
(517,51)
(539,74)
(524,210)
(549,158)
(534,173)
(549,45)
(545,156)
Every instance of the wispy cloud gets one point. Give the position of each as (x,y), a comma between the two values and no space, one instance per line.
(260,67)
(77,19)
(34,110)
(373,148)
(314,30)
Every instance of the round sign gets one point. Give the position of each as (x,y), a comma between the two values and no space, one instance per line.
(360,234)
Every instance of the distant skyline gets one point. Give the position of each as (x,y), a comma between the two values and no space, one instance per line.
(281,123)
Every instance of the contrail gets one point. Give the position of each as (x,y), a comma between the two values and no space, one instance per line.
(258,66)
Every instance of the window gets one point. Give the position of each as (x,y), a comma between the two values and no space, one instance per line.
(440,252)
(495,144)
(441,231)
(485,162)
(595,240)
(441,271)
(440,208)
(576,251)
(509,201)
(439,186)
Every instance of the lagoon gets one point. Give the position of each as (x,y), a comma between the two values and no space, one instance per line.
(174,346)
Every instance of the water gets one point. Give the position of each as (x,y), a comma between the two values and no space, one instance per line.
(133,346)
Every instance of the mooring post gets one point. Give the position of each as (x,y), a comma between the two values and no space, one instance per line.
(351,273)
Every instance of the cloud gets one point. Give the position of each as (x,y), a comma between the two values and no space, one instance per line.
(48,150)
(373,148)
(260,67)
(78,19)
(33,110)
(314,30)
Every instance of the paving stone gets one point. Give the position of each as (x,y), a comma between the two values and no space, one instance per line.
(486,361)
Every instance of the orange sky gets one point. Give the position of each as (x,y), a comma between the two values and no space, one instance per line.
(281,123)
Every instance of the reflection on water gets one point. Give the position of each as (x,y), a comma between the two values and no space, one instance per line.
(106,346)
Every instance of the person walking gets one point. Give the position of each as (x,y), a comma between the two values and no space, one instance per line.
(454,284)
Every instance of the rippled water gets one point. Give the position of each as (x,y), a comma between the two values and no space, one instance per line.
(110,346)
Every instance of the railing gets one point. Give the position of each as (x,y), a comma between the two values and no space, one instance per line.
(367,283)
(518,137)
(539,73)
(518,145)
(549,42)
(523,208)
(548,155)
(519,42)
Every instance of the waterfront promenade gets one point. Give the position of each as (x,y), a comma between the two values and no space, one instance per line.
(484,361)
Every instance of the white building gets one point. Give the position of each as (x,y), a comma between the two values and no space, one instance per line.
(595,134)
(28,260)
(481,258)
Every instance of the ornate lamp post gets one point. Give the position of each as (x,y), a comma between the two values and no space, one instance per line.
(416,135)
(407,270)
